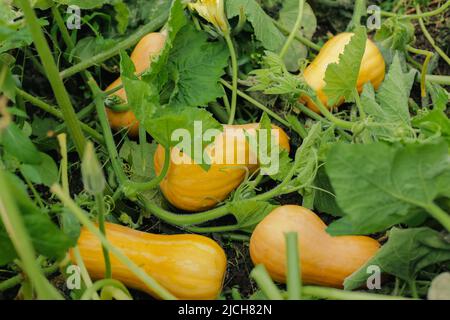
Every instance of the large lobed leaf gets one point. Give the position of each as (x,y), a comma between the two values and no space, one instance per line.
(389,107)
(379,185)
(196,66)
(186,63)
(395,33)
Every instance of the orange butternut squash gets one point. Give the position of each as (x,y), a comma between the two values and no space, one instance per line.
(325,260)
(189,187)
(372,67)
(189,266)
(149,46)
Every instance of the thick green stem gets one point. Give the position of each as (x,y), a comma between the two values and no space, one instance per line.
(412,61)
(110,293)
(226,101)
(131,187)
(61,95)
(16,229)
(17,279)
(241,23)
(56,113)
(294,280)
(101,225)
(88,294)
(142,147)
(265,283)
(62,28)
(295,29)
(147,279)
(280,188)
(83,271)
(336,294)
(235,295)
(336,4)
(348,125)
(213,229)
(298,37)
(428,55)
(430,38)
(419,15)
(234,66)
(413,289)
(439,214)
(257,104)
(219,111)
(236,237)
(358,11)
(183,219)
(107,134)
(359,105)
(64,163)
(198,218)
(444,80)
(297,126)
(153,25)
(39,103)
(313,115)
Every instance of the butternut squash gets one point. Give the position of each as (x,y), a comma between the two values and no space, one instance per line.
(189,187)
(372,67)
(149,46)
(325,260)
(189,266)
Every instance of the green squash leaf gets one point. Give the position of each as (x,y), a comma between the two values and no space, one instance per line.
(389,106)
(377,185)
(404,255)
(17,143)
(341,77)
(192,67)
(395,33)
(46,237)
(45,173)
(265,30)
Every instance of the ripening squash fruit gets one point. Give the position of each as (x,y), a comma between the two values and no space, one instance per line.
(189,187)
(187,265)
(149,46)
(325,260)
(372,67)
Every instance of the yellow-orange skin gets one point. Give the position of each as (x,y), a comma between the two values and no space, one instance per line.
(187,265)
(149,46)
(372,67)
(325,260)
(189,187)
